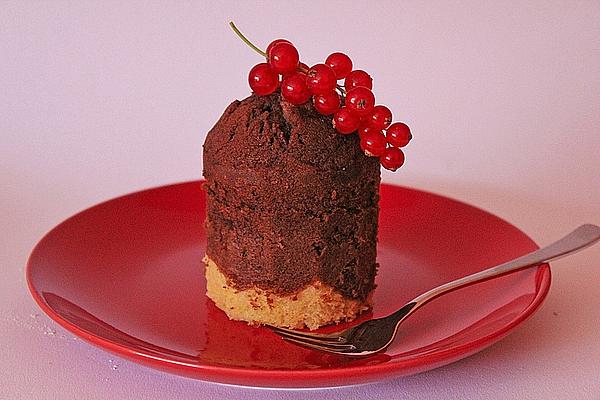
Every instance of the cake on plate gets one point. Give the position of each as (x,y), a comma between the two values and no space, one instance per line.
(292,216)
(292,198)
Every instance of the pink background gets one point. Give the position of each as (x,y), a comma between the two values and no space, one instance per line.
(101,98)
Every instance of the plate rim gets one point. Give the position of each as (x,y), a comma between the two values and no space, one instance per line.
(543,278)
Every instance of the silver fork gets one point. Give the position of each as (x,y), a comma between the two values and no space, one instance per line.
(377,334)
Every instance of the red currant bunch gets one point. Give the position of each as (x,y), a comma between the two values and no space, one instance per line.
(350,103)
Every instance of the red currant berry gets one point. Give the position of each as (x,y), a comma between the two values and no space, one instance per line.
(327,103)
(293,88)
(360,100)
(364,120)
(345,121)
(284,58)
(380,117)
(392,158)
(373,143)
(320,79)
(367,130)
(262,79)
(340,63)
(358,78)
(398,134)
(273,43)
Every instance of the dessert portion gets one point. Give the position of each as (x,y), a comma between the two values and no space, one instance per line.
(292,216)
(292,193)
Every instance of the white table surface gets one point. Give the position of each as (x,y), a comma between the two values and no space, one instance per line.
(98,99)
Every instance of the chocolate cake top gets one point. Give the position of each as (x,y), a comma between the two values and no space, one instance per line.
(264,131)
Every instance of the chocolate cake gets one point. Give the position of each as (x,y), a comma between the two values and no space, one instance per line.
(292,216)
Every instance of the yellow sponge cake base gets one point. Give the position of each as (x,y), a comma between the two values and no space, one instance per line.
(316,305)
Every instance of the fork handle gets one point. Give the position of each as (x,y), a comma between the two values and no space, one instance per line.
(580,238)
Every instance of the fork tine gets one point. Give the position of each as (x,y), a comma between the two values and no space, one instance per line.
(318,347)
(318,342)
(317,336)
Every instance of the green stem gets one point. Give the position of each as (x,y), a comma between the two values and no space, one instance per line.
(245,40)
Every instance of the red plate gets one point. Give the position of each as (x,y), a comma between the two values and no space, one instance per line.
(127,275)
